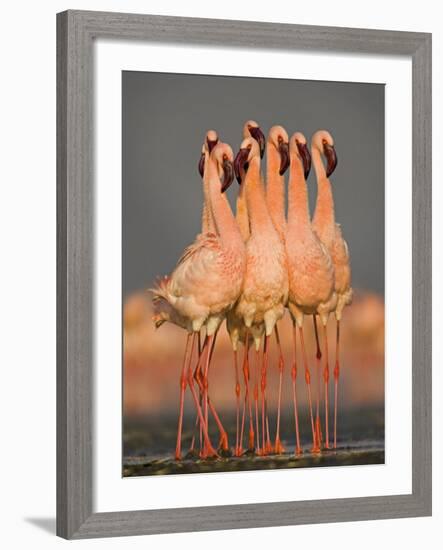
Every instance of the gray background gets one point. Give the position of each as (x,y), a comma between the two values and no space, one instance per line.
(165,117)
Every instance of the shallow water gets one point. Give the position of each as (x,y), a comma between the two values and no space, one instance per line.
(149,444)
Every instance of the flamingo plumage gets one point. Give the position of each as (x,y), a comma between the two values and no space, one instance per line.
(208,277)
(265,285)
(311,273)
(331,236)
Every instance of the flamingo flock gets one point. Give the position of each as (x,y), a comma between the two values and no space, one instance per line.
(249,268)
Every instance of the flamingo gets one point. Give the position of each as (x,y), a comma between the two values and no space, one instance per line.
(330,235)
(277,163)
(234,323)
(265,286)
(206,281)
(211,140)
(311,273)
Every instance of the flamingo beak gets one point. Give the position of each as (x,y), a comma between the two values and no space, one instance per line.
(228,174)
(305,157)
(259,137)
(201,165)
(240,162)
(331,158)
(284,155)
(211,144)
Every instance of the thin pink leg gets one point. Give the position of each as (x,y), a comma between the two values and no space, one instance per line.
(208,449)
(247,404)
(278,447)
(315,448)
(182,399)
(326,379)
(263,391)
(318,356)
(257,375)
(336,376)
(298,449)
(237,450)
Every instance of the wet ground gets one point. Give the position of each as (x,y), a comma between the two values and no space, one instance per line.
(149,444)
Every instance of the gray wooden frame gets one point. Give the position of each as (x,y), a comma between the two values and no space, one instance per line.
(76,31)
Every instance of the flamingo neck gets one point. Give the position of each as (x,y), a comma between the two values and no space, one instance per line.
(225,225)
(298,201)
(324,215)
(208,225)
(242,215)
(260,220)
(275,188)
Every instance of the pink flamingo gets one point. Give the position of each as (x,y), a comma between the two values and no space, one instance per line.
(277,151)
(330,235)
(207,281)
(311,274)
(234,323)
(265,287)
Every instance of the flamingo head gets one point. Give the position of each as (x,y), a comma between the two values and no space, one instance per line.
(299,146)
(278,137)
(249,149)
(224,157)
(252,129)
(211,140)
(323,141)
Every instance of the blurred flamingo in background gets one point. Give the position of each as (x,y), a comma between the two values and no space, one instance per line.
(330,235)
(264,294)
(206,282)
(311,274)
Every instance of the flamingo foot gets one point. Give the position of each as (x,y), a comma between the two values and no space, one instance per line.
(208,451)
(278,447)
(298,451)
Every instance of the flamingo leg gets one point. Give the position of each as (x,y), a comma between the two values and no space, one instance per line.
(208,449)
(326,379)
(198,378)
(182,399)
(264,416)
(278,447)
(247,404)
(237,395)
(336,376)
(298,449)
(315,448)
(318,356)
(208,405)
(257,374)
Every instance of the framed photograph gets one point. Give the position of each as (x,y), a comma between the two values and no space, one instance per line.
(244,274)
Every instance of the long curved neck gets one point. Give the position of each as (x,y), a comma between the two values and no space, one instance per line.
(324,215)
(208,225)
(225,225)
(242,215)
(298,201)
(275,188)
(260,220)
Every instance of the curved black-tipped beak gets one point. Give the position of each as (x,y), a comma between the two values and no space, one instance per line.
(228,174)
(284,156)
(259,137)
(211,144)
(201,165)
(305,156)
(331,158)
(239,163)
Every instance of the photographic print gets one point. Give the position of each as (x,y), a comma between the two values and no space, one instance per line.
(253,273)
